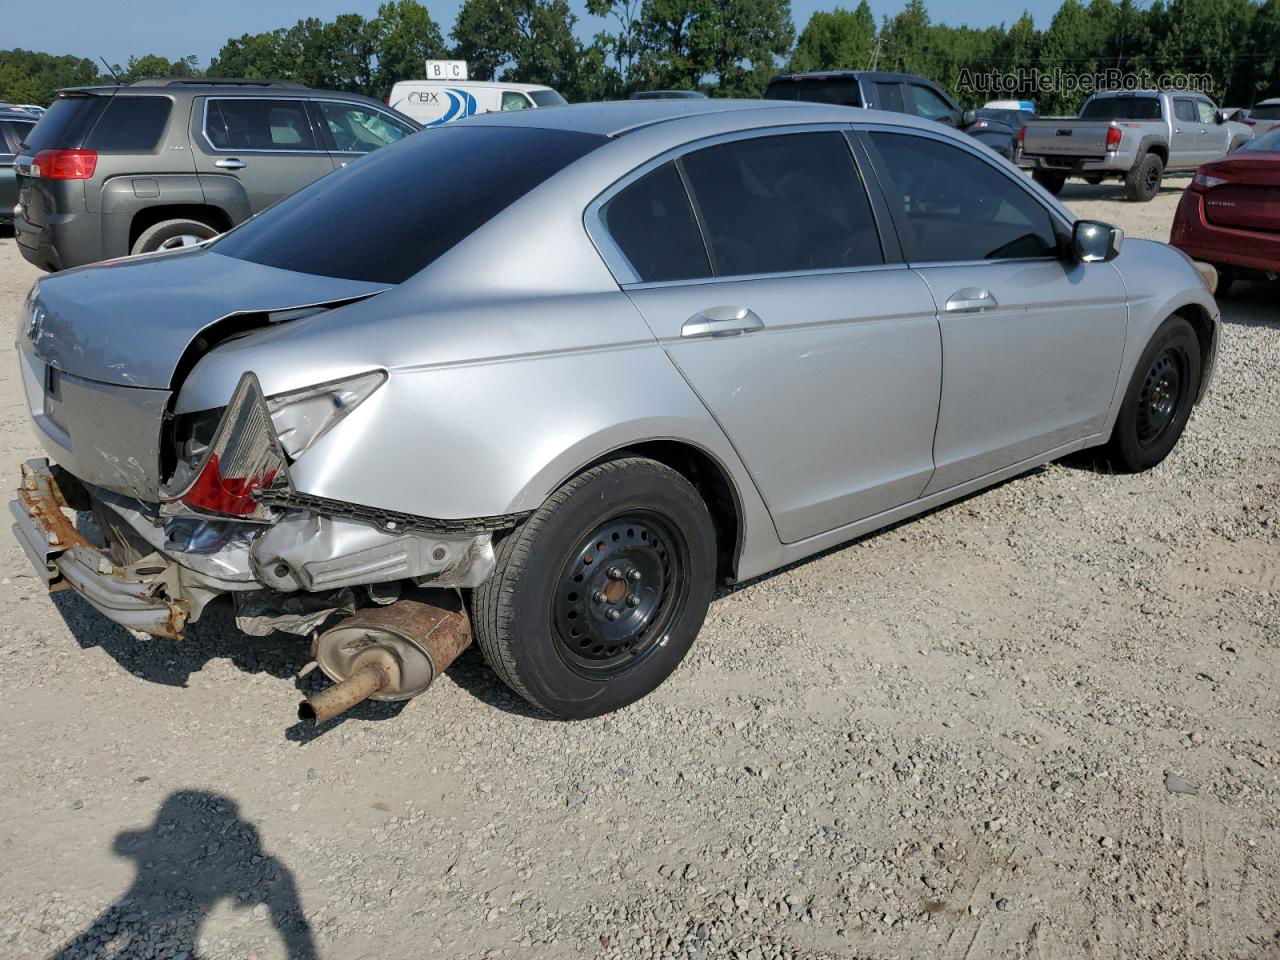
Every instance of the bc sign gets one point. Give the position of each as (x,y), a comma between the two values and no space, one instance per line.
(446,70)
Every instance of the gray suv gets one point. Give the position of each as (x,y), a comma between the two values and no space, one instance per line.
(164,163)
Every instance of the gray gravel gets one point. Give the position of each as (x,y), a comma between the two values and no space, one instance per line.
(1042,722)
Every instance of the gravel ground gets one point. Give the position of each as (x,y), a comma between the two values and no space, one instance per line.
(1041,722)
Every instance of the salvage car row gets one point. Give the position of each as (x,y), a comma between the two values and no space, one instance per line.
(633,350)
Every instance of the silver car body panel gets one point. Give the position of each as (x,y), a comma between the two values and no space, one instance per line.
(517,358)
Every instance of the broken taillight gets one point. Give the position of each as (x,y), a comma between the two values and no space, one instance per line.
(243,461)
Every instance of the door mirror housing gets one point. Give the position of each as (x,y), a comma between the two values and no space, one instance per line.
(1093,241)
(969,117)
(1219,116)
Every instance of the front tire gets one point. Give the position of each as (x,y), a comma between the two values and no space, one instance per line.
(172,235)
(1158,403)
(1053,182)
(598,596)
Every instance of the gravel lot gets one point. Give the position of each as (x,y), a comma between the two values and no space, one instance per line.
(1042,722)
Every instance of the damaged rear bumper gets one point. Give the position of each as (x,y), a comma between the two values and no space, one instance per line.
(134,597)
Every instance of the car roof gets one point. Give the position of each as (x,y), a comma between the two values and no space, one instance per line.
(1269,102)
(495,84)
(868,74)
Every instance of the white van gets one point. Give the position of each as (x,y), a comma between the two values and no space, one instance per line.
(433,102)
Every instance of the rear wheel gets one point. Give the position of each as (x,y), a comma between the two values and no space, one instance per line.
(597,597)
(1158,403)
(1142,182)
(1053,182)
(172,235)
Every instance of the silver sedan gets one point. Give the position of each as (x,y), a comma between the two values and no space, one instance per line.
(544,379)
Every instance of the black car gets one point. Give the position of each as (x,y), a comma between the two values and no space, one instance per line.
(163,163)
(998,129)
(15,125)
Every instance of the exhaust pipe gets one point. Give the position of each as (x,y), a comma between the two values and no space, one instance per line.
(386,653)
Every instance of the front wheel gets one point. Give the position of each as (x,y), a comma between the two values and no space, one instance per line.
(1158,403)
(1053,182)
(597,597)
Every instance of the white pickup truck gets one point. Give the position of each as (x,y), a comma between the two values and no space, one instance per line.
(1134,136)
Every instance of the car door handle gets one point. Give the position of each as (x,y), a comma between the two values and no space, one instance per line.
(970,300)
(721,322)
(229,163)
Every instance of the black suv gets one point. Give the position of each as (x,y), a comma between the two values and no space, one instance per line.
(897,92)
(157,164)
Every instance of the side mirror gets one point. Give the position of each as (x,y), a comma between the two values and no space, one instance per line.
(1093,241)
(1220,116)
(969,117)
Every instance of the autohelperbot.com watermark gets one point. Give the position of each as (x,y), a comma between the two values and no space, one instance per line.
(1047,80)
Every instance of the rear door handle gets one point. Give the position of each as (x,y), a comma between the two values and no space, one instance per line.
(229,163)
(970,300)
(721,322)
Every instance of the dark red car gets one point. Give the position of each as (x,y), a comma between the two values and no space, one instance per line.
(1230,216)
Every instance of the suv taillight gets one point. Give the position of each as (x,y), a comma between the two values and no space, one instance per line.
(1113,138)
(64,164)
(1022,136)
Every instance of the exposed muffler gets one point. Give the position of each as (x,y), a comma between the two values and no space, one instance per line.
(387,653)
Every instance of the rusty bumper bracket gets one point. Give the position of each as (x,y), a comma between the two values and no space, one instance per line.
(132,596)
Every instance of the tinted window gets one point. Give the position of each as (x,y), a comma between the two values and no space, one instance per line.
(12,133)
(1122,108)
(841,91)
(1206,111)
(889,97)
(959,207)
(783,203)
(248,124)
(929,105)
(1268,112)
(66,124)
(383,219)
(357,129)
(547,98)
(652,222)
(1184,110)
(131,124)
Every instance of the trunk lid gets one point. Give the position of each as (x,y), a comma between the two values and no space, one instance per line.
(131,322)
(1251,200)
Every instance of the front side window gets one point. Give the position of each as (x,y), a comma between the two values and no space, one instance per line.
(928,104)
(1184,110)
(357,129)
(514,100)
(653,225)
(1206,111)
(368,222)
(889,97)
(783,204)
(959,207)
(243,123)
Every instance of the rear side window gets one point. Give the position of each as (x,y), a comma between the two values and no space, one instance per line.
(1185,110)
(652,222)
(783,204)
(841,91)
(960,207)
(130,124)
(244,123)
(381,221)
(66,124)
(889,97)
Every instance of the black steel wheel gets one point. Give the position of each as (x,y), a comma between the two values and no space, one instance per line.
(597,597)
(1158,402)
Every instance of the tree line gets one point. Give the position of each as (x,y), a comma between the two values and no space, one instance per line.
(725,48)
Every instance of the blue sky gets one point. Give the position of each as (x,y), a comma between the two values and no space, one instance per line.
(175,28)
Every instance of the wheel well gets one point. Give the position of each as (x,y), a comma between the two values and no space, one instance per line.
(1202,324)
(711,481)
(1160,152)
(145,219)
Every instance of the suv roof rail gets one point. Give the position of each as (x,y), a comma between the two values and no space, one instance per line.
(212,82)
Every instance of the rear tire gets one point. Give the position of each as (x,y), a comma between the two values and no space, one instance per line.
(1158,402)
(1143,181)
(1053,182)
(172,235)
(597,597)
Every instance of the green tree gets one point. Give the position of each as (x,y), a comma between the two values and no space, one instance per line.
(257,56)
(837,39)
(28,76)
(152,65)
(405,37)
(623,46)
(523,41)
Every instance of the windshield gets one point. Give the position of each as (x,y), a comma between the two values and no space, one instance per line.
(1267,143)
(392,212)
(547,98)
(1122,108)
(1270,111)
(842,91)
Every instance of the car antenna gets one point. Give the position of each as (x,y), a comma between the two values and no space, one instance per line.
(110,71)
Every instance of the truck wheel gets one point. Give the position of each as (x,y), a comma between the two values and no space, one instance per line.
(172,235)
(1142,182)
(1050,181)
(597,597)
(1158,402)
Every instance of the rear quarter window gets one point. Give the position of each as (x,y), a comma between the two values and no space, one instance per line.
(130,125)
(67,123)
